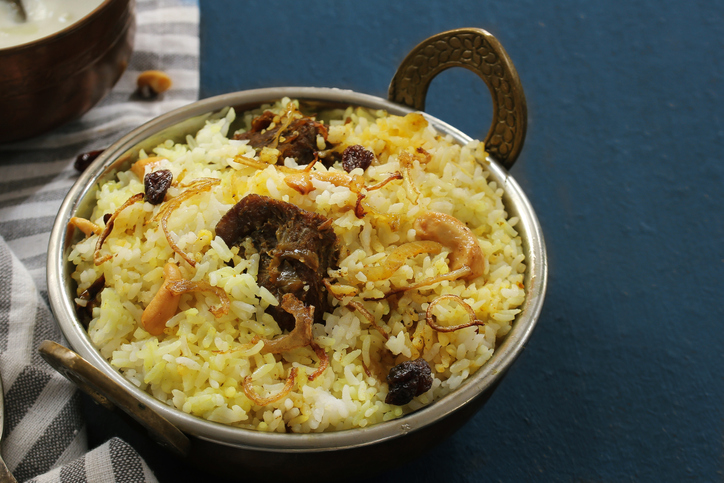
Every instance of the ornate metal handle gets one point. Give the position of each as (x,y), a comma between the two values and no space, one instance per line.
(110,395)
(476,50)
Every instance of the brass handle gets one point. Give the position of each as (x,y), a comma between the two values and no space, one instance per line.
(5,475)
(476,50)
(110,395)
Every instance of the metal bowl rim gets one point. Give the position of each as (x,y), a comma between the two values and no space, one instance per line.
(62,305)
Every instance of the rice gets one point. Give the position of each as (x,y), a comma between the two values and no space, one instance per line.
(206,365)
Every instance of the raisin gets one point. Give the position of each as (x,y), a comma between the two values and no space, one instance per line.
(85,159)
(357,157)
(157,184)
(407,380)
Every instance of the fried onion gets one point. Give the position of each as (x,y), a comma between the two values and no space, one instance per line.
(450,276)
(178,287)
(323,361)
(97,259)
(263,401)
(194,188)
(358,307)
(301,335)
(399,256)
(452,328)
(407,162)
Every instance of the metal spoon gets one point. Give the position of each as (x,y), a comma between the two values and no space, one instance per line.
(5,475)
(22,14)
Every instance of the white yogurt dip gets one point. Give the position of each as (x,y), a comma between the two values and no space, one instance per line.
(44,17)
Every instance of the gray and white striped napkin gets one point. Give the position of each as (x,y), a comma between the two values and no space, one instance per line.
(45,438)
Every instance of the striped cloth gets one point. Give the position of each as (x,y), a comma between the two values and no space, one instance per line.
(45,438)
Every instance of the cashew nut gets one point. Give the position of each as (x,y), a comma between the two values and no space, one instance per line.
(86,226)
(465,250)
(152,83)
(164,304)
(139,167)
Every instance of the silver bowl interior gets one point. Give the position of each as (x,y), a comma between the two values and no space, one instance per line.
(186,120)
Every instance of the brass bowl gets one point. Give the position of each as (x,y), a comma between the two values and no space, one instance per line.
(233,451)
(52,80)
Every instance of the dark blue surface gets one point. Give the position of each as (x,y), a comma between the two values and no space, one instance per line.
(622,379)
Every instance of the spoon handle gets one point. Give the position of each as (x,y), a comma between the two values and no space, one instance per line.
(5,475)
(21,10)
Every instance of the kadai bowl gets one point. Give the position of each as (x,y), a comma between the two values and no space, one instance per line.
(266,277)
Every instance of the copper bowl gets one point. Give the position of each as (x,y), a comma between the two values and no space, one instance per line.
(52,80)
(233,451)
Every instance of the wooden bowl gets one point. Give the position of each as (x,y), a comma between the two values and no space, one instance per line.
(58,78)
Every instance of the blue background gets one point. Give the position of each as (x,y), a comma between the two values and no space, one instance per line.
(622,378)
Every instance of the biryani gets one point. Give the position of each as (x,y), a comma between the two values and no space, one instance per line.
(300,271)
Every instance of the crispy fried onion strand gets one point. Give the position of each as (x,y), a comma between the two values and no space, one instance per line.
(362,310)
(407,162)
(452,275)
(301,181)
(301,335)
(261,165)
(286,120)
(357,306)
(178,287)
(97,258)
(360,207)
(323,361)
(263,401)
(340,291)
(399,256)
(452,328)
(195,187)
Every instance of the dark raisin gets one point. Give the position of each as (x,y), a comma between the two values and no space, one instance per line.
(157,184)
(357,157)
(107,217)
(84,160)
(407,380)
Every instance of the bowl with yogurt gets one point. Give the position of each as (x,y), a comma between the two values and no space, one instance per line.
(59,58)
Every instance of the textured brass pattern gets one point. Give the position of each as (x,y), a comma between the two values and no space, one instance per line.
(480,52)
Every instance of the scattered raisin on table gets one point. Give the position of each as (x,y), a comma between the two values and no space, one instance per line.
(85,159)
(407,380)
(156,185)
(357,156)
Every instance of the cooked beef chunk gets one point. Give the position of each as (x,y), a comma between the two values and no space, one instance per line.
(298,141)
(296,248)
(407,380)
